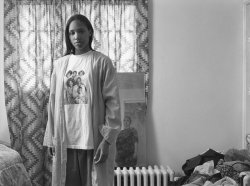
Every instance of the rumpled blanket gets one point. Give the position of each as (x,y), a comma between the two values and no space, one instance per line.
(12,170)
(227,181)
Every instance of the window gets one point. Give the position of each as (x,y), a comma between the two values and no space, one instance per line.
(41,32)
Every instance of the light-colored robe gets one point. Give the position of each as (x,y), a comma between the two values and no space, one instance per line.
(106,117)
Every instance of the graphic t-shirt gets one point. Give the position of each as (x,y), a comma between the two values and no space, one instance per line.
(77,104)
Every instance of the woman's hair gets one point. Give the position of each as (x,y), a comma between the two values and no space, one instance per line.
(69,47)
(69,72)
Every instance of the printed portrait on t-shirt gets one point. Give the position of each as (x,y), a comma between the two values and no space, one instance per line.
(76,88)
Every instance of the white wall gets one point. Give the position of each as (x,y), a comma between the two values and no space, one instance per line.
(4,132)
(196,79)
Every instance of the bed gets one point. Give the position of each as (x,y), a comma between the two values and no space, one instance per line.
(12,170)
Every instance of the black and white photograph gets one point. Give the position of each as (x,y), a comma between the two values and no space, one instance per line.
(124,92)
(131,140)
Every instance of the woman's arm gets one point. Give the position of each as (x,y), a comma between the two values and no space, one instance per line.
(111,128)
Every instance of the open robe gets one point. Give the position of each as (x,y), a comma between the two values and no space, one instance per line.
(106,118)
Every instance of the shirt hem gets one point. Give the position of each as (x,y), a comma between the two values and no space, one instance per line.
(80,147)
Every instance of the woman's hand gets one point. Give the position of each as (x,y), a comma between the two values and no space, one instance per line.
(102,152)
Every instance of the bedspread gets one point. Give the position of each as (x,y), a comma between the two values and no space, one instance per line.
(12,170)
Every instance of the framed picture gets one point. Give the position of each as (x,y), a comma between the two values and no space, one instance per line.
(131,141)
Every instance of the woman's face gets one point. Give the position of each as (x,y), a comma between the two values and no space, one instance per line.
(68,75)
(78,80)
(71,83)
(126,122)
(79,36)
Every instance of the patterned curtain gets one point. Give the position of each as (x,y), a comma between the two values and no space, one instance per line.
(34,38)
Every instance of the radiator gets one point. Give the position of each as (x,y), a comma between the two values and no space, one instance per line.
(142,176)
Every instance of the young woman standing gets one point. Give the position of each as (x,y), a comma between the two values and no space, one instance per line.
(82,136)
